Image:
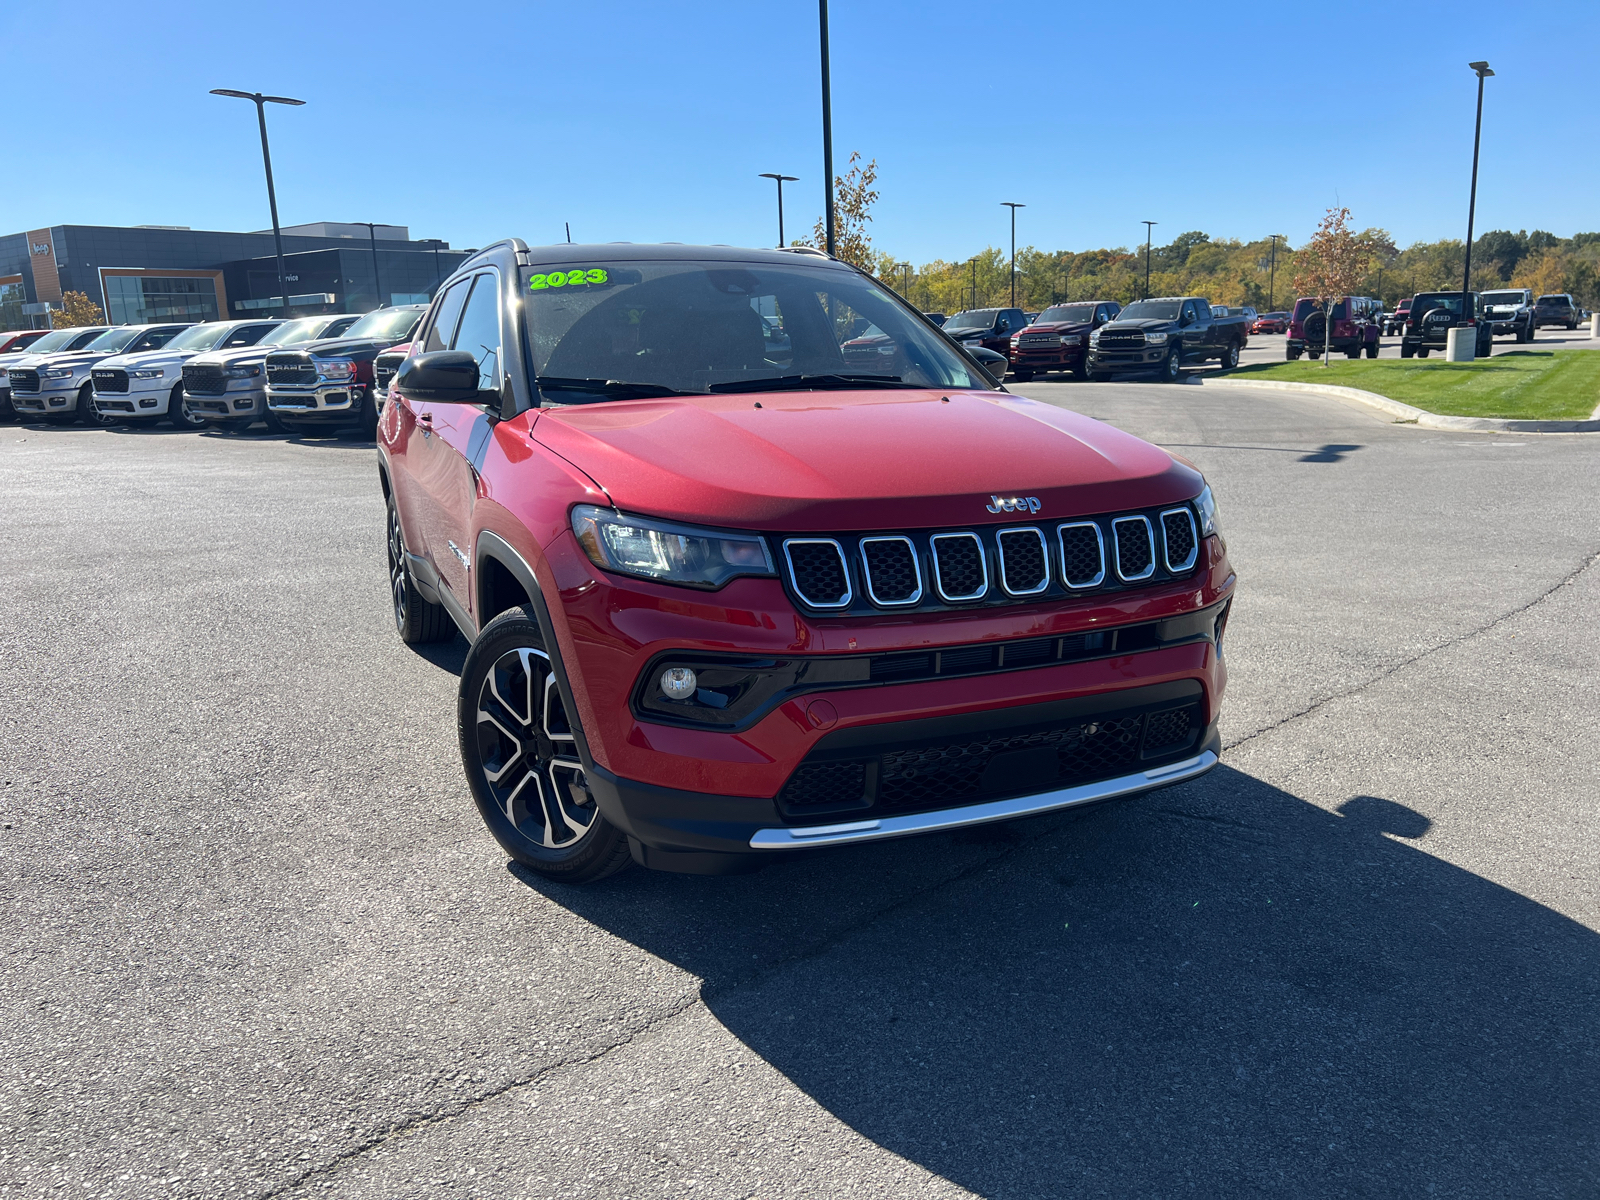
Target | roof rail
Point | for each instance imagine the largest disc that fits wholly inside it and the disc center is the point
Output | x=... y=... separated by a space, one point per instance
x=812 y=250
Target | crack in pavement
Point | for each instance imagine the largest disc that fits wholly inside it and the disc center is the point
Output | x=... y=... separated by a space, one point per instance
x=443 y=1114
x=1572 y=578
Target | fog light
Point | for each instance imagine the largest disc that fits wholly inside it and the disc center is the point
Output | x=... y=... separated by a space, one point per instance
x=678 y=683
x=243 y=404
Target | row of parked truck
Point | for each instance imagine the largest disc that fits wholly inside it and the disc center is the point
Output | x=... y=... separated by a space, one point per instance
x=327 y=371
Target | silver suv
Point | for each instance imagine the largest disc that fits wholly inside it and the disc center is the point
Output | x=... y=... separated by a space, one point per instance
x=1510 y=310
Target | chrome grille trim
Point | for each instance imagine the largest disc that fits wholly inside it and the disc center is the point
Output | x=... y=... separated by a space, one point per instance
x=1143 y=523
x=1100 y=543
x=844 y=566
x=866 y=570
x=1044 y=553
x=938 y=573
x=1178 y=568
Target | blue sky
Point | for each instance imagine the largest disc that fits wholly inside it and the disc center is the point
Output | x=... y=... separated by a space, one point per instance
x=651 y=121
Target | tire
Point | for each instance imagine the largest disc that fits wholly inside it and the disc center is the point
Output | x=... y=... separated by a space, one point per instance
x=1099 y=376
x=1230 y=356
x=1532 y=331
x=1406 y=351
x=275 y=423
x=1172 y=366
x=87 y=412
x=1422 y=353
x=236 y=424
x=1372 y=350
x=417 y=620
x=178 y=414
x=1353 y=352
x=1291 y=355
x=1081 y=369
x=1571 y=325
x=1019 y=376
x=367 y=422
x=520 y=751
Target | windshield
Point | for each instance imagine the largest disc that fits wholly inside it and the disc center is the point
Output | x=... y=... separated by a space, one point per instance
x=617 y=329
x=56 y=339
x=386 y=323
x=1151 y=310
x=200 y=337
x=115 y=339
x=1503 y=297
x=1067 y=314
x=290 y=333
x=977 y=318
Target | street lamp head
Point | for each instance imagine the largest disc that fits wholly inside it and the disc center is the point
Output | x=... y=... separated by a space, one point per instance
x=1482 y=68
x=779 y=178
x=283 y=100
x=1011 y=204
x=256 y=96
x=231 y=92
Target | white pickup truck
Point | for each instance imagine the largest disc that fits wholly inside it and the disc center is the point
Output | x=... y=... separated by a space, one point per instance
x=148 y=385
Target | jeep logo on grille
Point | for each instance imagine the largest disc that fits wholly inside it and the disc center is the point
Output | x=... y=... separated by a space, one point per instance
x=1000 y=504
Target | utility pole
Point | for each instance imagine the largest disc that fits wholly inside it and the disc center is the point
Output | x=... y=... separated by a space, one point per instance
x=974 y=303
x=372 y=240
x=1013 y=206
x=780 y=180
x=827 y=124
x=1148 y=226
x=1482 y=68
x=906 y=267
x=261 y=103
x=1272 y=275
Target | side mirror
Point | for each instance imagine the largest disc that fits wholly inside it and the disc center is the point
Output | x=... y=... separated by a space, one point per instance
x=444 y=377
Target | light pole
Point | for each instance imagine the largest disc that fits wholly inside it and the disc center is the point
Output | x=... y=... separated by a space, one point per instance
x=780 y=180
x=1013 y=206
x=974 y=261
x=827 y=122
x=1272 y=275
x=1482 y=68
x=1148 y=227
x=261 y=103
x=372 y=240
x=906 y=267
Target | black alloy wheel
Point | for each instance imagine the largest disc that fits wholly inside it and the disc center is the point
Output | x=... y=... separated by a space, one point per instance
x=519 y=746
x=179 y=415
x=89 y=412
x=1172 y=366
x=416 y=619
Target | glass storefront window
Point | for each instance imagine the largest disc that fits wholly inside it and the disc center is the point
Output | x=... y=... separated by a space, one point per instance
x=147 y=299
x=11 y=301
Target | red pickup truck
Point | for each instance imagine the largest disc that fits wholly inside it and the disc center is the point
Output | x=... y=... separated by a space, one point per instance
x=1058 y=339
x=731 y=597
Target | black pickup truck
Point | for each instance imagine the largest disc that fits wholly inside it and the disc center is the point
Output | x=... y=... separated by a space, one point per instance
x=1165 y=335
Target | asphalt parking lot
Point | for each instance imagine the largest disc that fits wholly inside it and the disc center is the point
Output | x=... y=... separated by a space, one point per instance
x=258 y=944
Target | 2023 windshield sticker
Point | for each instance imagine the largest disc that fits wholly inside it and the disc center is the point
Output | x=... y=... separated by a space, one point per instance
x=578 y=277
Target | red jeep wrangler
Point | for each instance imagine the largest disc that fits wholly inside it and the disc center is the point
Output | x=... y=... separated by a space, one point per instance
x=729 y=596
x=1355 y=328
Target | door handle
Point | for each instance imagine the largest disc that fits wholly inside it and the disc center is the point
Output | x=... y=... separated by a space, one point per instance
x=425 y=423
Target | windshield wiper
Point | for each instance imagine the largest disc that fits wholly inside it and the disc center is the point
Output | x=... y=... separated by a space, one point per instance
x=785 y=383
x=616 y=389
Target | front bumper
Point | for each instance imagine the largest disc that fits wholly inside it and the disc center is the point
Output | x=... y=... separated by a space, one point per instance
x=141 y=402
x=327 y=403
x=1056 y=358
x=44 y=402
x=229 y=405
x=1147 y=358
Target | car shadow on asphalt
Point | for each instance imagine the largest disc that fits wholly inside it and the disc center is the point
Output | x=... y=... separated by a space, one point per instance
x=1219 y=989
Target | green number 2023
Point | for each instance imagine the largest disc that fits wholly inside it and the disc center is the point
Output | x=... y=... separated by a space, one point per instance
x=557 y=279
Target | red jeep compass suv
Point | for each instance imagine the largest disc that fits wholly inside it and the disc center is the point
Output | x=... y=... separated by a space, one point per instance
x=730 y=596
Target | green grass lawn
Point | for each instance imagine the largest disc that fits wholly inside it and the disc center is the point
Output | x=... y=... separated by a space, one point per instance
x=1527 y=384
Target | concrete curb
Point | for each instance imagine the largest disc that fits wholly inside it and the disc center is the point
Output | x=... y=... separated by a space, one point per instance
x=1407 y=414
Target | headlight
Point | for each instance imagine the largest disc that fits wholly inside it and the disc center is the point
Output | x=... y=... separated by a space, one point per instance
x=1155 y=339
x=56 y=373
x=242 y=372
x=661 y=550
x=336 y=368
x=148 y=373
x=1207 y=504
x=1072 y=339
x=1094 y=338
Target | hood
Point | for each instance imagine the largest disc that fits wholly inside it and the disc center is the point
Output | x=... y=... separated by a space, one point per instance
x=1146 y=323
x=244 y=356
x=342 y=347
x=62 y=358
x=1057 y=327
x=961 y=331
x=147 y=358
x=858 y=460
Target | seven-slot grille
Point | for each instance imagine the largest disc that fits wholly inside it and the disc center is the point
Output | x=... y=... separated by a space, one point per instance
x=1121 y=339
x=290 y=370
x=204 y=380
x=24 y=380
x=109 y=379
x=986 y=566
x=384 y=368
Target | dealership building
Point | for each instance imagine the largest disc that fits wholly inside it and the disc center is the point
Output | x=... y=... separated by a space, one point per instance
x=146 y=273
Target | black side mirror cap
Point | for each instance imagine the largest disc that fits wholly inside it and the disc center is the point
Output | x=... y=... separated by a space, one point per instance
x=444 y=377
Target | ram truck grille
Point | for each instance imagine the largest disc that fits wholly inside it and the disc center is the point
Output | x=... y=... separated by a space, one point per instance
x=1121 y=339
x=24 y=380
x=290 y=370
x=204 y=380
x=109 y=380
